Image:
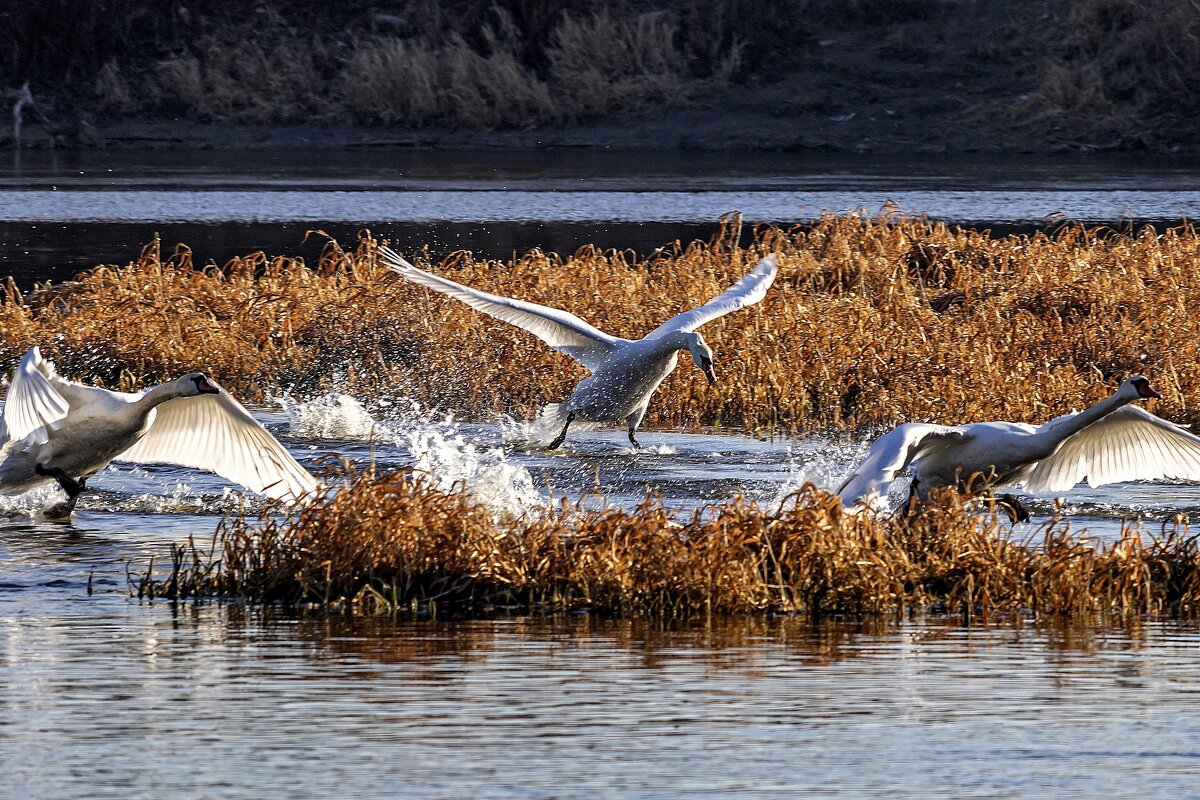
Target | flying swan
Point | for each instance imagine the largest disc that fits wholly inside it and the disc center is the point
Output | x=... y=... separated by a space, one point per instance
x=1110 y=442
x=625 y=373
x=54 y=429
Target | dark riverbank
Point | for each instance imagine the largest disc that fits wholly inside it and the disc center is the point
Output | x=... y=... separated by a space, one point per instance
x=920 y=76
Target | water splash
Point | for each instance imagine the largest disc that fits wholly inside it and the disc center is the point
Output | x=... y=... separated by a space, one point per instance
x=447 y=453
x=31 y=503
x=828 y=465
x=442 y=451
x=334 y=416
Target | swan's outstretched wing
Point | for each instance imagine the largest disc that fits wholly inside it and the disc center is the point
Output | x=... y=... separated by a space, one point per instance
x=891 y=453
x=562 y=330
x=746 y=292
x=1130 y=444
x=214 y=432
x=32 y=404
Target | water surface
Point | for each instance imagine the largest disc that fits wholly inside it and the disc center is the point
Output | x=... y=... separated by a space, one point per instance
x=101 y=696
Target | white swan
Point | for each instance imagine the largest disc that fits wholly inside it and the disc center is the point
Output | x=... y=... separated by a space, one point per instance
x=54 y=429
x=1110 y=442
x=625 y=373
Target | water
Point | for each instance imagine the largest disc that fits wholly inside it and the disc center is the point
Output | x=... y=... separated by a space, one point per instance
x=62 y=213
x=148 y=701
x=101 y=696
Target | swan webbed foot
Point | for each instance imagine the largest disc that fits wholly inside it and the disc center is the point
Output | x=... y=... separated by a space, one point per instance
x=632 y=440
x=562 y=437
x=62 y=510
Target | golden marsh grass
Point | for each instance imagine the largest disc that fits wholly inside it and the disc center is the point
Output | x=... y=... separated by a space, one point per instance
x=871 y=322
x=386 y=543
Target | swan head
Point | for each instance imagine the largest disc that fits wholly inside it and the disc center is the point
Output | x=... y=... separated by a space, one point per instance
x=1136 y=387
x=702 y=354
x=197 y=383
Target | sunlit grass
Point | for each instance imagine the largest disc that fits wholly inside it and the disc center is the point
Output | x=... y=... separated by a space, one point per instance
x=871 y=322
x=382 y=542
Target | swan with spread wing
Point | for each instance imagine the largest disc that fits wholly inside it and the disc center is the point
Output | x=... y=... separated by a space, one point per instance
x=58 y=430
x=625 y=372
x=1111 y=442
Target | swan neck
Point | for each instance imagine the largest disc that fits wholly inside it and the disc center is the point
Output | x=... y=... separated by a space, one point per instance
x=673 y=341
x=157 y=395
x=1075 y=424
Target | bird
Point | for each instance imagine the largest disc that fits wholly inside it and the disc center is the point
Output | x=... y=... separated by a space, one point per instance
x=624 y=373
x=57 y=430
x=1110 y=442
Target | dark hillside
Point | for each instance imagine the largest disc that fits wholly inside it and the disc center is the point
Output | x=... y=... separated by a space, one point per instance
x=1026 y=75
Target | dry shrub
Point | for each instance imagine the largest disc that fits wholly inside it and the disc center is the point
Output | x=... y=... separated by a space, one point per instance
x=250 y=81
x=870 y=322
x=384 y=542
x=412 y=82
x=601 y=65
x=115 y=92
x=1116 y=65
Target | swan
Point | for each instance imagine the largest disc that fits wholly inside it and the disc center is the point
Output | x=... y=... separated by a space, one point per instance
x=54 y=429
x=625 y=373
x=1110 y=442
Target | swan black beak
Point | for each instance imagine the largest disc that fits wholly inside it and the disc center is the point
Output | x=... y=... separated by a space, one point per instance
x=707 y=366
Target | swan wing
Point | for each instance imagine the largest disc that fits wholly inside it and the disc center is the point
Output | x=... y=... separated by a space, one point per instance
x=33 y=403
x=215 y=432
x=1129 y=444
x=746 y=292
x=562 y=330
x=892 y=453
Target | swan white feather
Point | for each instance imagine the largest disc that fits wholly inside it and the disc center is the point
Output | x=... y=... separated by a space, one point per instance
x=746 y=292
x=1110 y=442
x=214 y=432
x=191 y=422
x=625 y=373
x=32 y=405
x=560 y=329
x=1130 y=444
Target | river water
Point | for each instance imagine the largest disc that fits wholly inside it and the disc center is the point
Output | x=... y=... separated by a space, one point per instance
x=102 y=696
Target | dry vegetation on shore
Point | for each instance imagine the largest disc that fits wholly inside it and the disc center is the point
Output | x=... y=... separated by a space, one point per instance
x=870 y=322
x=1024 y=75
x=383 y=543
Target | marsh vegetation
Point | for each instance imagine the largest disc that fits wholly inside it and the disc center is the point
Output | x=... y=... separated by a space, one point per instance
x=871 y=321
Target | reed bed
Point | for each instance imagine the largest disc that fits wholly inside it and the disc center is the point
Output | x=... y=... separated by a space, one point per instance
x=385 y=543
x=871 y=321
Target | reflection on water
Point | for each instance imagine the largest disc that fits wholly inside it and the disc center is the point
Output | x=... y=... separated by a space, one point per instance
x=219 y=701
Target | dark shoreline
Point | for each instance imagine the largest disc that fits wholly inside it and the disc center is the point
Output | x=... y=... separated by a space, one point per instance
x=711 y=131
x=911 y=76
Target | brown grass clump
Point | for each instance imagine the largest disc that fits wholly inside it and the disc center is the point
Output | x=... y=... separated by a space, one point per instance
x=871 y=321
x=382 y=542
x=1117 y=66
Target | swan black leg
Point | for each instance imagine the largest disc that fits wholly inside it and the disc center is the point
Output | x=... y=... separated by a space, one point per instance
x=913 y=504
x=562 y=437
x=1012 y=507
x=632 y=440
x=72 y=487
x=69 y=485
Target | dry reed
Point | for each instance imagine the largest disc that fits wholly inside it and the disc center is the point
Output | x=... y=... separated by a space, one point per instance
x=871 y=321
x=386 y=543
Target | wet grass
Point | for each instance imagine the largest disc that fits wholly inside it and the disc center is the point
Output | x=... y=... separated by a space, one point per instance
x=385 y=543
x=871 y=322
